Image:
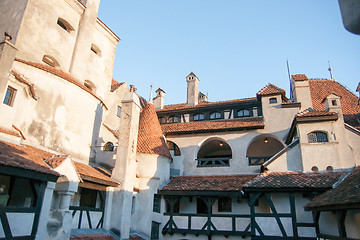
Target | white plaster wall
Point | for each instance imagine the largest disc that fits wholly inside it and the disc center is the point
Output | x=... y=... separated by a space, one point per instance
x=40 y=34
x=327 y=224
x=353 y=139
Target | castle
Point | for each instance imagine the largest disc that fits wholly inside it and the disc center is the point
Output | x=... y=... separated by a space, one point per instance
x=83 y=156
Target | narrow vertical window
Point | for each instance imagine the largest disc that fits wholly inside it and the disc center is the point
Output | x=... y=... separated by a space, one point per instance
x=10 y=96
x=118 y=111
x=155 y=230
x=156 y=203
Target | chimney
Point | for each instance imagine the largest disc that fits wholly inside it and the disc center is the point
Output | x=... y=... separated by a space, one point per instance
x=300 y=91
x=192 y=89
x=7 y=56
x=159 y=99
x=202 y=97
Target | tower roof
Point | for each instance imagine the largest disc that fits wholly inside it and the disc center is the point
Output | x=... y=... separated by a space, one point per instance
x=150 y=137
x=271 y=89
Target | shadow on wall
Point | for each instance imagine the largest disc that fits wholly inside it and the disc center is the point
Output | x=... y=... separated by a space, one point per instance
x=96 y=131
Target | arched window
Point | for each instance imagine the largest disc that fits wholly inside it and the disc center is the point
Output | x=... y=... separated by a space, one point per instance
x=315 y=137
x=65 y=25
x=172 y=146
x=243 y=113
x=214 y=153
x=215 y=115
x=199 y=117
x=272 y=100
x=90 y=85
x=262 y=148
x=95 y=49
x=173 y=119
x=109 y=146
x=51 y=61
x=162 y=120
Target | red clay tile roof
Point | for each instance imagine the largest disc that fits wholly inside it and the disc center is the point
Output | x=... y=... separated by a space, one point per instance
x=353 y=120
x=314 y=113
x=93 y=174
x=347 y=193
x=115 y=85
x=23 y=80
x=271 y=89
x=201 y=105
x=294 y=180
x=299 y=77
x=150 y=137
x=321 y=88
x=114 y=132
x=9 y=132
x=61 y=74
x=55 y=161
x=25 y=157
x=136 y=237
x=99 y=236
x=213 y=126
x=223 y=183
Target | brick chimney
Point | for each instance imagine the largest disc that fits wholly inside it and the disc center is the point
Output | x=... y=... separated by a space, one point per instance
x=159 y=99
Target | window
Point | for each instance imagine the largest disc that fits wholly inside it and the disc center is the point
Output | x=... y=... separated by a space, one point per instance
x=88 y=197
x=199 y=117
x=176 y=206
x=215 y=115
x=243 y=113
x=315 y=137
x=214 y=153
x=90 y=85
x=17 y=192
x=201 y=207
x=109 y=146
x=173 y=119
x=65 y=25
x=155 y=230
x=172 y=146
x=10 y=96
x=51 y=61
x=224 y=204
x=95 y=49
x=162 y=120
x=118 y=111
x=156 y=203
x=334 y=103
x=272 y=100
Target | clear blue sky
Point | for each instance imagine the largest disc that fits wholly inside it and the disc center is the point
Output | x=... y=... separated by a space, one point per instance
x=235 y=47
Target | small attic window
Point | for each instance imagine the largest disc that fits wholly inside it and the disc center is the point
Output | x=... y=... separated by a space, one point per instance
x=95 y=49
x=51 y=61
x=316 y=137
x=90 y=85
x=333 y=102
x=272 y=100
x=65 y=25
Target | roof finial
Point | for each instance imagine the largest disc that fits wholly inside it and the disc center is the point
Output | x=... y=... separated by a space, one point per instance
x=330 y=70
x=150 y=99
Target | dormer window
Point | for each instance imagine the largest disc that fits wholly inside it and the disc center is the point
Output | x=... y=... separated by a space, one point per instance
x=243 y=113
x=95 y=49
x=173 y=119
x=215 y=115
x=51 y=61
x=199 y=117
x=334 y=103
x=65 y=25
x=272 y=100
x=316 y=137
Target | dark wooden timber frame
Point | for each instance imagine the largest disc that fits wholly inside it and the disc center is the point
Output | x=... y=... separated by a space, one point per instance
x=89 y=210
x=38 y=182
x=253 y=229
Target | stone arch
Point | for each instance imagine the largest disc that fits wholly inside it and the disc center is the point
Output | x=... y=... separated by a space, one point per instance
x=262 y=147
x=214 y=152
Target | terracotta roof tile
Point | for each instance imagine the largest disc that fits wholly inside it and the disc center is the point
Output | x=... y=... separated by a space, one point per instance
x=150 y=137
x=213 y=126
x=299 y=77
x=25 y=157
x=94 y=174
x=55 y=161
x=314 y=113
x=115 y=85
x=204 y=104
x=223 y=183
x=23 y=80
x=92 y=237
x=321 y=88
x=61 y=74
x=9 y=132
x=294 y=180
x=347 y=192
x=271 y=89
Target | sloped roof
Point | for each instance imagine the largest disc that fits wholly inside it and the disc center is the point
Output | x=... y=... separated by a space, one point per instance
x=98 y=236
x=93 y=174
x=150 y=137
x=293 y=180
x=114 y=132
x=23 y=80
x=314 y=113
x=202 y=105
x=115 y=85
x=321 y=88
x=61 y=74
x=213 y=126
x=353 y=120
x=10 y=132
x=271 y=89
x=25 y=157
x=345 y=195
x=299 y=77
x=222 y=183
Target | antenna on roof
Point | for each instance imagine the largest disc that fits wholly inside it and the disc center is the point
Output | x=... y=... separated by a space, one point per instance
x=150 y=99
x=288 y=69
x=330 y=70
